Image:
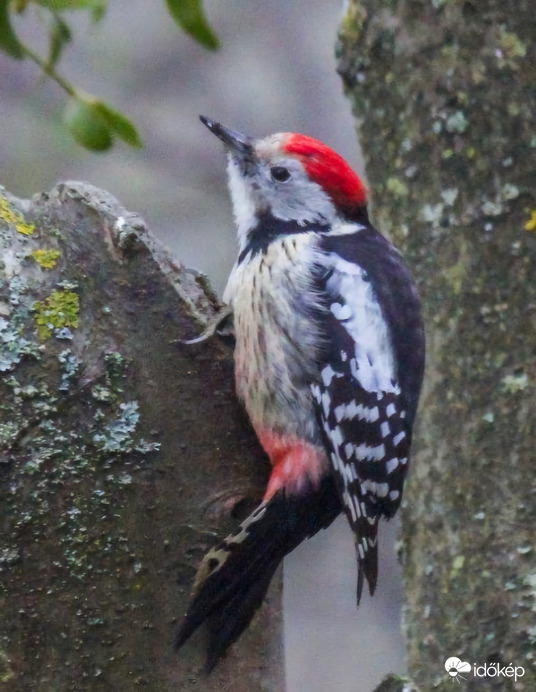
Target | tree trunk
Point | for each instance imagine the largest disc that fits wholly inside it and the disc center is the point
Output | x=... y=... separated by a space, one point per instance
x=444 y=93
x=110 y=428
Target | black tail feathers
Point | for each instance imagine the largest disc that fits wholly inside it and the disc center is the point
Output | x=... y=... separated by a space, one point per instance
x=367 y=568
x=234 y=576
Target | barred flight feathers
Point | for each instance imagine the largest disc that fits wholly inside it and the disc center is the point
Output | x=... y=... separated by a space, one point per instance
x=365 y=399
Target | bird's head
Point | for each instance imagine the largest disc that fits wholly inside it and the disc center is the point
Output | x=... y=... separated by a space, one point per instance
x=291 y=177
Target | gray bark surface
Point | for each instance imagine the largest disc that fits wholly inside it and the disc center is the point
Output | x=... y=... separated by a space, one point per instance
x=444 y=94
x=124 y=455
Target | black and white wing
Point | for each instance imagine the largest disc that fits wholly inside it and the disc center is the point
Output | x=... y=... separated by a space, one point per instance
x=370 y=376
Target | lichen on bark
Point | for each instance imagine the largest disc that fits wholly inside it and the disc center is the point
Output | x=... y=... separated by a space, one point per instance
x=443 y=91
x=122 y=454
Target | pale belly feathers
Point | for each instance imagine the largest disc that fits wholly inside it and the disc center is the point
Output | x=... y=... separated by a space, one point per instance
x=276 y=340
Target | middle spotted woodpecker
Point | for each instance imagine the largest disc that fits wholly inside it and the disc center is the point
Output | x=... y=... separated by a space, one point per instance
x=329 y=362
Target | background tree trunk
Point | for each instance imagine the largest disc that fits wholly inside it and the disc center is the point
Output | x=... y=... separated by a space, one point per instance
x=444 y=93
x=102 y=531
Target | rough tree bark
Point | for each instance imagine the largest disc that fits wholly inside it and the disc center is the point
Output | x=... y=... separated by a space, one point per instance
x=444 y=93
x=96 y=524
x=102 y=530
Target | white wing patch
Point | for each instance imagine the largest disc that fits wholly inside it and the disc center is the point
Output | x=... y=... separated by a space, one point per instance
x=360 y=406
x=341 y=312
x=360 y=314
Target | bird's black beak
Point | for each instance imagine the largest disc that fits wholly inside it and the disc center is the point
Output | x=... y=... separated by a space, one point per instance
x=233 y=140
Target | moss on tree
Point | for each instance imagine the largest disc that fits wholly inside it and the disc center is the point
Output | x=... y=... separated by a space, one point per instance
x=444 y=94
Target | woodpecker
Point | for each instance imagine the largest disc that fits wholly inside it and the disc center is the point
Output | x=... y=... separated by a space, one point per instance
x=329 y=361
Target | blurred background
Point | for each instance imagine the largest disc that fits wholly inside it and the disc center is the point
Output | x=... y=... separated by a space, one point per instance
x=274 y=72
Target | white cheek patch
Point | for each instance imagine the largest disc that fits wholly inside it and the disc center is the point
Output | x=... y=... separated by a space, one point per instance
x=243 y=201
x=298 y=199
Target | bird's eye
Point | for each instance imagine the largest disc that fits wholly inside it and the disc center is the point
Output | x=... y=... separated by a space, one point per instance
x=280 y=173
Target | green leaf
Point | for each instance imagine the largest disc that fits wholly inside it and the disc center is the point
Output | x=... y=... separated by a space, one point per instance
x=119 y=124
x=94 y=124
x=190 y=16
x=60 y=36
x=9 y=42
x=87 y=125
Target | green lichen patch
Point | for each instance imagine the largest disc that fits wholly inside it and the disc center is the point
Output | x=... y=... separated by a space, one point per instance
x=511 y=48
x=352 y=22
x=12 y=217
x=531 y=223
x=46 y=258
x=59 y=310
